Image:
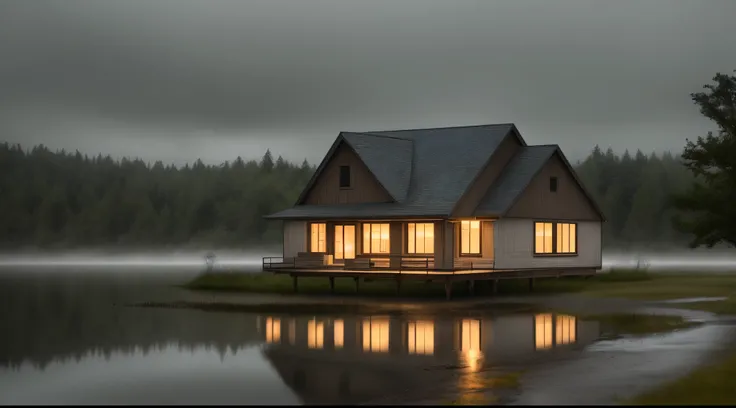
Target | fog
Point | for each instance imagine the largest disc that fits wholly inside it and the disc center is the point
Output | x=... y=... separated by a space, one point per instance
x=250 y=260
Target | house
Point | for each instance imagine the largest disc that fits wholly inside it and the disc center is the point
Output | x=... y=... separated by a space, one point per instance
x=445 y=203
x=355 y=359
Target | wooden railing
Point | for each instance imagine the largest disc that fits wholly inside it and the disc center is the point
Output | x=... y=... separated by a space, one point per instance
x=372 y=262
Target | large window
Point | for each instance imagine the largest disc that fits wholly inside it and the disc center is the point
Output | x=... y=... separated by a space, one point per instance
x=318 y=233
x=420 y=238
x=376 y=239
x=555 y=238
x=470 y=238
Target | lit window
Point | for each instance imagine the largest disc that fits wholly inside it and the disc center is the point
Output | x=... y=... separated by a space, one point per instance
x=565 y=329
x=421 y=337
x=376 y=239
x=566 y=238
x=470 y=237
x=563 y=235
x=319 y=238
x=345 y=241
x=315 y=334
x=375 y=334
x=273 y=330
x=339 y=333
x=420 y=238
x=543 y=331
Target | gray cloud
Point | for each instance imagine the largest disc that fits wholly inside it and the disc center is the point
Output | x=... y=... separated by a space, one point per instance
x=253 y=73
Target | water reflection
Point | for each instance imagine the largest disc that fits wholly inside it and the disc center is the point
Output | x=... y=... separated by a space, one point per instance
x=354 y=358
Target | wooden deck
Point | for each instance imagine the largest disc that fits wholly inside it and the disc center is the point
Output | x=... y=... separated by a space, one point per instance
x=417 y=273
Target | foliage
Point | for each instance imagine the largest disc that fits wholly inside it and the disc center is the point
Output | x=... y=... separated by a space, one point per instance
x=709 y=203
x=56 y=198
x=61 y=199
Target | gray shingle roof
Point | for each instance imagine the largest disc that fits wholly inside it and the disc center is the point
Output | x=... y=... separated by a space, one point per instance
x=514 y=179
x=388 y=158
x=425 y=170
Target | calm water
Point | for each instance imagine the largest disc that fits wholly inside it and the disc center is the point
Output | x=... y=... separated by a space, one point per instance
x=68 y=338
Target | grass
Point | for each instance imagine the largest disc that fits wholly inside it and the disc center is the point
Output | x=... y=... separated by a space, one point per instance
x=629 y=284
x=709 y=385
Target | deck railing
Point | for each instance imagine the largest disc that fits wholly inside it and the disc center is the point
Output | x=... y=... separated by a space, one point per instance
x=375 y=263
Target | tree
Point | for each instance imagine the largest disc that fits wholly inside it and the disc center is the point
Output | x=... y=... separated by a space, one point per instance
x=707 y=208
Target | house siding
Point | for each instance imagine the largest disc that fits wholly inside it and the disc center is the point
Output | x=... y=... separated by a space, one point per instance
x=567 y=203
x=500 y=158
x=295 y=238
x=364 y=188
x=514 y=246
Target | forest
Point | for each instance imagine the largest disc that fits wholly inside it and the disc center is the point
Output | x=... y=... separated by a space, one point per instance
x=58 y=199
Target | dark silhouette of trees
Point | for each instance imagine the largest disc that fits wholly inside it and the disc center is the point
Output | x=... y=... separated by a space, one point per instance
x=709 y=203
x=60 y=199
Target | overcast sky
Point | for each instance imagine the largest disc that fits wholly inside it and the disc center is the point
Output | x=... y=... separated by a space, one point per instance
x=177 y=80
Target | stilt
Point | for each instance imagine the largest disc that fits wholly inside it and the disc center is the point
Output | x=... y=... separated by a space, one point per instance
x=494 y=287
x=357 y=284
x=398 y=286
x=448 y=289
x=296 y=283
x=471 y=287
x=531 y=284
x=332 y=284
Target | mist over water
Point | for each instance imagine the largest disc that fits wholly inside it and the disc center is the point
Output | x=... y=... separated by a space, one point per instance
x=251 y=260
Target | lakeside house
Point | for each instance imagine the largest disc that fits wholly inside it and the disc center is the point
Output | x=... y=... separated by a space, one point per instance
x=458 y=203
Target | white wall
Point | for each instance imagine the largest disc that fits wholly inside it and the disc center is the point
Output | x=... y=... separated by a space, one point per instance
x=295 y=238
x=514 y=246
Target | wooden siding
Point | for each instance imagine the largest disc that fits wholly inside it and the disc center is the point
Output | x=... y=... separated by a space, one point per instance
x=295 y=238
x=472 y=197
x=364 y=188
x=567 y=203
x=514 y=246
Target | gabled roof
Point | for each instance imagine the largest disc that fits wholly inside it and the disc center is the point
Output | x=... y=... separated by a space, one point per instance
x=516 y=177
x=426 y=171
x=388 y=158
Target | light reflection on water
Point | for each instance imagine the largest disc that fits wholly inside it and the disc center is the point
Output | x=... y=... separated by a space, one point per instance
x=67 y=338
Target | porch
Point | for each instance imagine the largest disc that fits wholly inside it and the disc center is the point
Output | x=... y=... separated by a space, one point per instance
x=403 y=268
x=375 y=263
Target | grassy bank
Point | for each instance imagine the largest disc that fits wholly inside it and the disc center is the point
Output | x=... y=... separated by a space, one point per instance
x=638 y=324
x=709 y=385
x=629 y=284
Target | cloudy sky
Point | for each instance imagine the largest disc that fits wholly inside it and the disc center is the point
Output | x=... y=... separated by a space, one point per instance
x=180 y=79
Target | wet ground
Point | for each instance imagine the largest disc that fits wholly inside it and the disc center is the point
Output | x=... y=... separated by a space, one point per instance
x=70 y=336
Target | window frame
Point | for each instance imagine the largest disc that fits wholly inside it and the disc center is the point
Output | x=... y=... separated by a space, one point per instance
x=479 y=254
x=554 y=238
x=309 y=237
x=406 y=246
x=370 y=237
x=349 y=177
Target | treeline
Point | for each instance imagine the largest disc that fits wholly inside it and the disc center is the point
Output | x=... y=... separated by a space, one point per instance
x=634 y=193
x=69 y=199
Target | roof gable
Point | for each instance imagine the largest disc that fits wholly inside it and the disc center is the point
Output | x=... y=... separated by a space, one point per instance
x=519 y=174
x=388 y=158
x=337 y=149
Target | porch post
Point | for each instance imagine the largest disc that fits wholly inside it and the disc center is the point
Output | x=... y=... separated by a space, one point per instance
x=332 y=284
x=296 y=283
x=448 y=289
x=357 y=284
x=531 y=284
x=396 y=244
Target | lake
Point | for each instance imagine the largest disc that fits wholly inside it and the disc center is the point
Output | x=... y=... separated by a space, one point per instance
x=70 y=336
